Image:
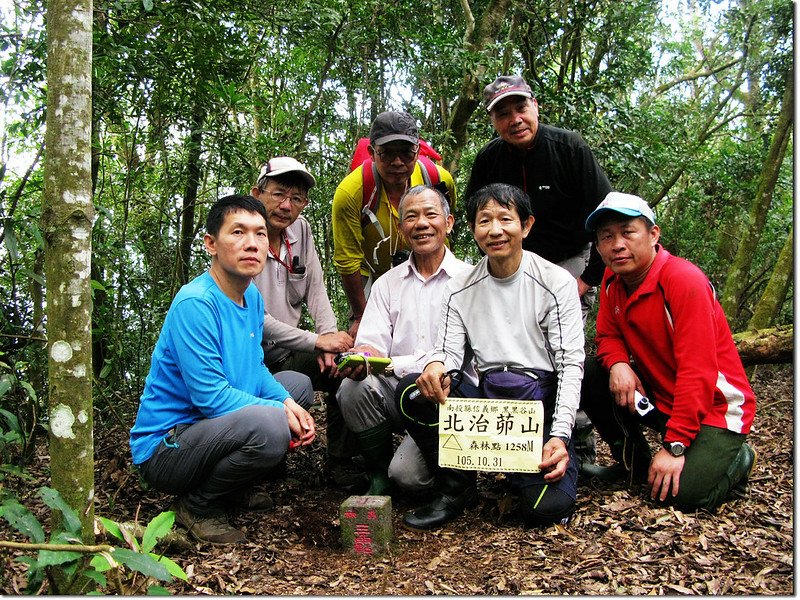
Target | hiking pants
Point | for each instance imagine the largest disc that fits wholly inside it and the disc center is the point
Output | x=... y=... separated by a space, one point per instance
x=704 y=481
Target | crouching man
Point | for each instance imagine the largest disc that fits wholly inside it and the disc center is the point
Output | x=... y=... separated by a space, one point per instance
x=212 y=420
x=518 y=317
x=662 y=335
x=400 y=322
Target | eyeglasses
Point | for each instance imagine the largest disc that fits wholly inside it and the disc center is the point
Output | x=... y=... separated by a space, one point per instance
x=279 y=197
x=406 y=155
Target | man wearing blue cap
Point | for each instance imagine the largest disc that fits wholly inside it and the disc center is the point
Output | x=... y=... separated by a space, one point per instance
x=665 y=359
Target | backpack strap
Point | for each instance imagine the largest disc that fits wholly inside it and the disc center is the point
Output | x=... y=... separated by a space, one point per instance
x=370 y=195
x=430 y=174
x=371 y=188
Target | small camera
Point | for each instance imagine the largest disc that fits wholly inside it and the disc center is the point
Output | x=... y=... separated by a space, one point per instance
x=399 y=257
x=643 y=404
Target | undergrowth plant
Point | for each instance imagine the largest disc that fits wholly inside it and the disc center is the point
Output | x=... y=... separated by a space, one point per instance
x=90 y=569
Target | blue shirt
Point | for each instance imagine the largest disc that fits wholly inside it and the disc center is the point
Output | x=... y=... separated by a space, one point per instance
x=207 y=362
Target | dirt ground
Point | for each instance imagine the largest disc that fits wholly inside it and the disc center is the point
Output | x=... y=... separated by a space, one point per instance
x=618 y=543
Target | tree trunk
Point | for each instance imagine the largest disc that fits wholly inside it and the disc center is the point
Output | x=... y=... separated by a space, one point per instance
x=193 y=172
x=469 y=95
x=765 y=346
x=737 y=279
x=67 y=216
x=774 y=295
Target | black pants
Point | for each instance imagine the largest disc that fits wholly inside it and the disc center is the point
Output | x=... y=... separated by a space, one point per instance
x=543 y=503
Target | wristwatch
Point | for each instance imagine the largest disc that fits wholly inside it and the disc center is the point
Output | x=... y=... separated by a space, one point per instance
x=675 y=448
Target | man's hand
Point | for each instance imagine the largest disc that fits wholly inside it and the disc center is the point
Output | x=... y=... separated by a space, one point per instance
x=434 y=383
x=359 y=372
x=583 y=287
x=622 y=382
x=301 y=423
x=665 y=473
x=337 y=341
x=555 y=459
x=327 y=363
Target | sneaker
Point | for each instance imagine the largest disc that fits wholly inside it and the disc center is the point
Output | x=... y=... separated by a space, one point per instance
x=253 y=499
x=214 y=530
x=344 y=473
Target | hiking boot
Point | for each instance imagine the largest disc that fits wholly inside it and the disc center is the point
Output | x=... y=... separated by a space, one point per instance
x=344 y=473
x=214 y=529
x=253 y=499
x=456 y=490
x=745 y=463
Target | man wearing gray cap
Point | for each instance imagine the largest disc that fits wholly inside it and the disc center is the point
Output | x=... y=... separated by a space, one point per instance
x=366 y=234
x=292 y=277
x=666 y=360
x=564 y=181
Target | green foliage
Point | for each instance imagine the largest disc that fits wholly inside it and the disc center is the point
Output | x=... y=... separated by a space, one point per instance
x=16 y=432
x=130 y=570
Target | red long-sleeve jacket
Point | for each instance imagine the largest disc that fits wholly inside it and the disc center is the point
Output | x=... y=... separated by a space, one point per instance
x=674 y=331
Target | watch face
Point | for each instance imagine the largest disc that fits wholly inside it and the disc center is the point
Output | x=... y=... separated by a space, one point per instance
x=677 y=449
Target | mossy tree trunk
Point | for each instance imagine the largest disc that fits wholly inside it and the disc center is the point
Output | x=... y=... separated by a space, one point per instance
x=774 y=295
x=738 y=275
x=67 y=216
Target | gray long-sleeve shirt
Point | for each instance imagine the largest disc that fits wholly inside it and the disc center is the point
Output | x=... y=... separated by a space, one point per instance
x=529 y=320
x=285 y=293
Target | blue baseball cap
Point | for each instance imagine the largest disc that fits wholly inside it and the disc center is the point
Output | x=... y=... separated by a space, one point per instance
x=624 y=204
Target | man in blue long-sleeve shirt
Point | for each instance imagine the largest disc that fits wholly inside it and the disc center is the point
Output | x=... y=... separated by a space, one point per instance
x=212 y=419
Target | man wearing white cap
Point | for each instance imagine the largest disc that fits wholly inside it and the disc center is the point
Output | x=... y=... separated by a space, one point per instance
x=561 y=176
x=292 y=278
x=667 y=361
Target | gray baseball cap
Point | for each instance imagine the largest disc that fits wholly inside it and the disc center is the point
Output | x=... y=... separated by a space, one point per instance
x=391 y=126
x=504 y=86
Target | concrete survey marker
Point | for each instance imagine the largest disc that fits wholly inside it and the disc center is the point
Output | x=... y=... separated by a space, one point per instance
x=366 y=523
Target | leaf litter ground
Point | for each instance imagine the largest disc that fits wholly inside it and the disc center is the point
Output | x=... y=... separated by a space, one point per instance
x=618 y=543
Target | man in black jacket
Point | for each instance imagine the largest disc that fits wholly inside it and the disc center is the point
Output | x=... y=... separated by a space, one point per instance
x=565 y=183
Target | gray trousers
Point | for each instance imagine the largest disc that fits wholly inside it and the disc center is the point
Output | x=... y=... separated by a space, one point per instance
x=369 y=403
x=213 y=460
x=341 y=442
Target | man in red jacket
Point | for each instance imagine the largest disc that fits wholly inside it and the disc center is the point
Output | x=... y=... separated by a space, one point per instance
x=666 y=360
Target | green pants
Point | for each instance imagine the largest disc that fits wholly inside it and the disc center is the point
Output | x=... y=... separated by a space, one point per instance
x=710 y=468
x=706 y=477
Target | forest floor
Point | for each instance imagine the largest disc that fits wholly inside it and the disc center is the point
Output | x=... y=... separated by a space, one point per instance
x=617 y=543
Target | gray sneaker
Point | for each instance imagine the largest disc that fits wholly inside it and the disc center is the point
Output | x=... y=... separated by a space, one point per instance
x=214 y=530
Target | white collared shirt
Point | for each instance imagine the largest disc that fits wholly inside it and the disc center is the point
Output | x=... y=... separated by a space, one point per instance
x=402 y=315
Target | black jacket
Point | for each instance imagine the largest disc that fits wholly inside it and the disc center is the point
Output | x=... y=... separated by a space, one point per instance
x=565 y=184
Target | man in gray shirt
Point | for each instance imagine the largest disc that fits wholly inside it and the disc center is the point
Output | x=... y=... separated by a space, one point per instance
x=293 y=277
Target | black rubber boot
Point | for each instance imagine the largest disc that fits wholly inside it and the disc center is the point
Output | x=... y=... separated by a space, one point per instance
x=455 y=490
x=741 y=469
x=376 y=448
x=632 y=456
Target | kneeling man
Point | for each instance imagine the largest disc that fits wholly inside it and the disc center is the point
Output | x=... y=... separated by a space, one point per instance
x=518 y=317
x=662 y=335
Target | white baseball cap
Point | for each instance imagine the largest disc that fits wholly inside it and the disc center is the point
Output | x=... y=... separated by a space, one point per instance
x=285 y=164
